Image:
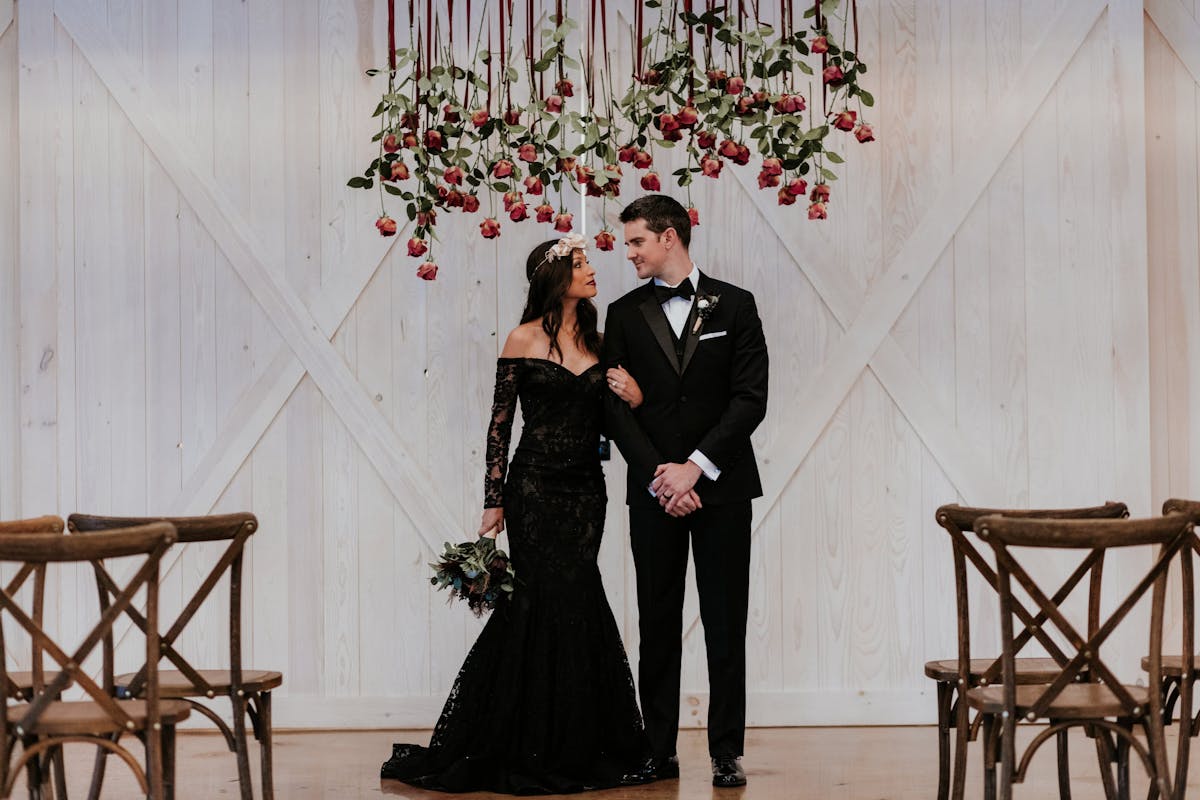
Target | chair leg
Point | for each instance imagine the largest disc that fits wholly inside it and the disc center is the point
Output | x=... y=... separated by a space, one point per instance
x=168 y=759
x=33 y=773
x=963 y=736
x=265 y=746
x=989 y=757
x=243 y=756
x=1064 y=766
x=1105 y=759
x=1122 y=769
x=60 y=774
x=98 y=774
x=944 y=690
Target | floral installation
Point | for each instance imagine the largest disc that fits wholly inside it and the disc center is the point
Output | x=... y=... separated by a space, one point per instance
x=477 y=572
x=706 y=304
x=522 y=122
x=723 y=84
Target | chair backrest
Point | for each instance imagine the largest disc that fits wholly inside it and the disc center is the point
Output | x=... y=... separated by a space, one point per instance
x=1171 y=535
x=37 y=603
x=958 y=521
x=36 y=550
x=235 y=529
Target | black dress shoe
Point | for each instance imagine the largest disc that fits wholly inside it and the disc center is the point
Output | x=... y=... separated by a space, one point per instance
x=652 y=769
x=727 y=772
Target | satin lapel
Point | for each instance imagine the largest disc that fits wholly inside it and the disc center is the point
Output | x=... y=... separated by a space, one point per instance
x=689 y=328
x=657 y=321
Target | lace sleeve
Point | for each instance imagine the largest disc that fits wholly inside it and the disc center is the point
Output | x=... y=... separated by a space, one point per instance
x=504 y=406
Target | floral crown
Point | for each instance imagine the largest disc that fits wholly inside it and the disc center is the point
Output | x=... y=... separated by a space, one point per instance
x=564 y=247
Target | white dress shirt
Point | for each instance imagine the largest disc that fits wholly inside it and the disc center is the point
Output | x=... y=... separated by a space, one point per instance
x=677 y=310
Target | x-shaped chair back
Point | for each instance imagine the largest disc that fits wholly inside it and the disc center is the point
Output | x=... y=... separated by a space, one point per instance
x=1173 y=536
x=958 y=521
x=16 y=527
x=235 y=529
x=34 y=551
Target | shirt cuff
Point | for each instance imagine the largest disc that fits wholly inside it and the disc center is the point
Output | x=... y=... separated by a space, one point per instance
x=707 y=467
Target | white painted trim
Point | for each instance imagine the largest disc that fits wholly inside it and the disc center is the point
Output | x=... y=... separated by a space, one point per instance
x=1180 y=29
x=763 y=709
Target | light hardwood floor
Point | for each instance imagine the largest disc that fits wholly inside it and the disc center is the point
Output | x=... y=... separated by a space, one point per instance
x=895 y=763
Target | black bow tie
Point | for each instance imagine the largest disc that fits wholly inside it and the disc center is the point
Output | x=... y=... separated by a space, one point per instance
x=665 y=293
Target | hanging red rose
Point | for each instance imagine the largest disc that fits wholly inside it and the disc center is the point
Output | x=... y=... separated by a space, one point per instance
x=417 y=247
x=386 y=226
x=605 y=240
x=489 y=228
x=427 y=271
x=562 y=222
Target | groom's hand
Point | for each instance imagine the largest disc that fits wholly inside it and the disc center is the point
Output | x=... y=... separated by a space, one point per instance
x=674 y=480
x=681 y=504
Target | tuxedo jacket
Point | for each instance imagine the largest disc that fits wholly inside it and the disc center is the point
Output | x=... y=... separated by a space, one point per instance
x=709 y=400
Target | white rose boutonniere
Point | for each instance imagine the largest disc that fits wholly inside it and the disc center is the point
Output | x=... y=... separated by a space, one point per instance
x=706 y=304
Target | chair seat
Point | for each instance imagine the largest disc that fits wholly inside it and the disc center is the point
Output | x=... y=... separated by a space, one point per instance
x=1172 y=666
x=172 y=683
x=1076 y=701
x=1029 y=670
x=86 y=717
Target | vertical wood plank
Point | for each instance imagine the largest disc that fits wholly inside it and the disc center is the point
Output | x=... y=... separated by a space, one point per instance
x=10 y=315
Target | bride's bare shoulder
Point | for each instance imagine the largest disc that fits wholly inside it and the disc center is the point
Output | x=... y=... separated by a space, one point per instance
x=523 y=340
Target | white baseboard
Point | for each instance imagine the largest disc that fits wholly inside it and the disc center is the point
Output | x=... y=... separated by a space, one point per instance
x=763 y=709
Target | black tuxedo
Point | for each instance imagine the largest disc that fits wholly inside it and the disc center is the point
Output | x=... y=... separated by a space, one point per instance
x=705 y=390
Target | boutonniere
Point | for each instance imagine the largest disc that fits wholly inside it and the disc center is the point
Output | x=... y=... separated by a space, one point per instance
x=705 y=305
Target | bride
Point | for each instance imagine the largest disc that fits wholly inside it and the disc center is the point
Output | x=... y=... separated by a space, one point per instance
x=544 y=703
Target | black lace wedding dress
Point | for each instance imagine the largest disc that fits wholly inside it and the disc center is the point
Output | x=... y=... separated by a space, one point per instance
x=544 y=703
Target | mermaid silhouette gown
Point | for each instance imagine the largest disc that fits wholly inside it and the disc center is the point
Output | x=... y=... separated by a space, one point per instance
x=544 y=703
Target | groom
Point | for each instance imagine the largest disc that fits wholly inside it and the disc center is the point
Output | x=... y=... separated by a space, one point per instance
x=695 y=346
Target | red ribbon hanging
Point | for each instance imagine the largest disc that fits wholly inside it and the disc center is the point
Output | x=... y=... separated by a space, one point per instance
x=391 y=36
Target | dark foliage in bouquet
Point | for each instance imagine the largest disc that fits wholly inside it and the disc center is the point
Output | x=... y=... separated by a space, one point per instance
x=477 y=572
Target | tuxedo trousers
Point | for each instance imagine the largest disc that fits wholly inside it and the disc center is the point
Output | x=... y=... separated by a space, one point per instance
x=719 y=537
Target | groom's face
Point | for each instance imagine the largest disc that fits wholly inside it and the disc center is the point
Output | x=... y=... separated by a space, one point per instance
x=645 y=249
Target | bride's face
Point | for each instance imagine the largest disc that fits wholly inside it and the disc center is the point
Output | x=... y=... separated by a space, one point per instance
x=583 y=277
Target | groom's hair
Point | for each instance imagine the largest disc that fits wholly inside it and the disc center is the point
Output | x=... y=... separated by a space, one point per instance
x=660 y=212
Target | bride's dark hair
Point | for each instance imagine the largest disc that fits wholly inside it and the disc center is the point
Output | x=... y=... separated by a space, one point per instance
x=549 y=280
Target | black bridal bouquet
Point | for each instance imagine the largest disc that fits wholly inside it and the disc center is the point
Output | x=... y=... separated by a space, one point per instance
x=477 y=572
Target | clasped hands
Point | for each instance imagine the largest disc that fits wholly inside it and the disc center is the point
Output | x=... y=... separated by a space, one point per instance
x=674 y=484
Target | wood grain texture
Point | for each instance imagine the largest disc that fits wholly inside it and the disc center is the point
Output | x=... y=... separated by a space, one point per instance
x=224 y=329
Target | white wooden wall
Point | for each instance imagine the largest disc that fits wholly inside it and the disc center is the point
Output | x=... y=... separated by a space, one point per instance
x=196 y=314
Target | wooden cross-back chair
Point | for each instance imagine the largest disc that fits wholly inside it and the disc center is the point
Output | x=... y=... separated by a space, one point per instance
x=954 y=676
x=1085 y=692
x=1174 y=673
x=19 y=685
x=46 y=723
x=249 y=691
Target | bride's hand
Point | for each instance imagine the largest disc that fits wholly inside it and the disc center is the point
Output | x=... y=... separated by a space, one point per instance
x=493 y=521
x=624 y=386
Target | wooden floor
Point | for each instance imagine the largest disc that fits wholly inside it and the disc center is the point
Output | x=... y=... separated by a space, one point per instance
x=781 y=763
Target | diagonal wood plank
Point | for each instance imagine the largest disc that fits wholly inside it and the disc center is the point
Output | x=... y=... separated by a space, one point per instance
x=1180 y=29
x=904 y=275
x=6 y=15
x=405 y=478
x=894 y=290
x=900 y=377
